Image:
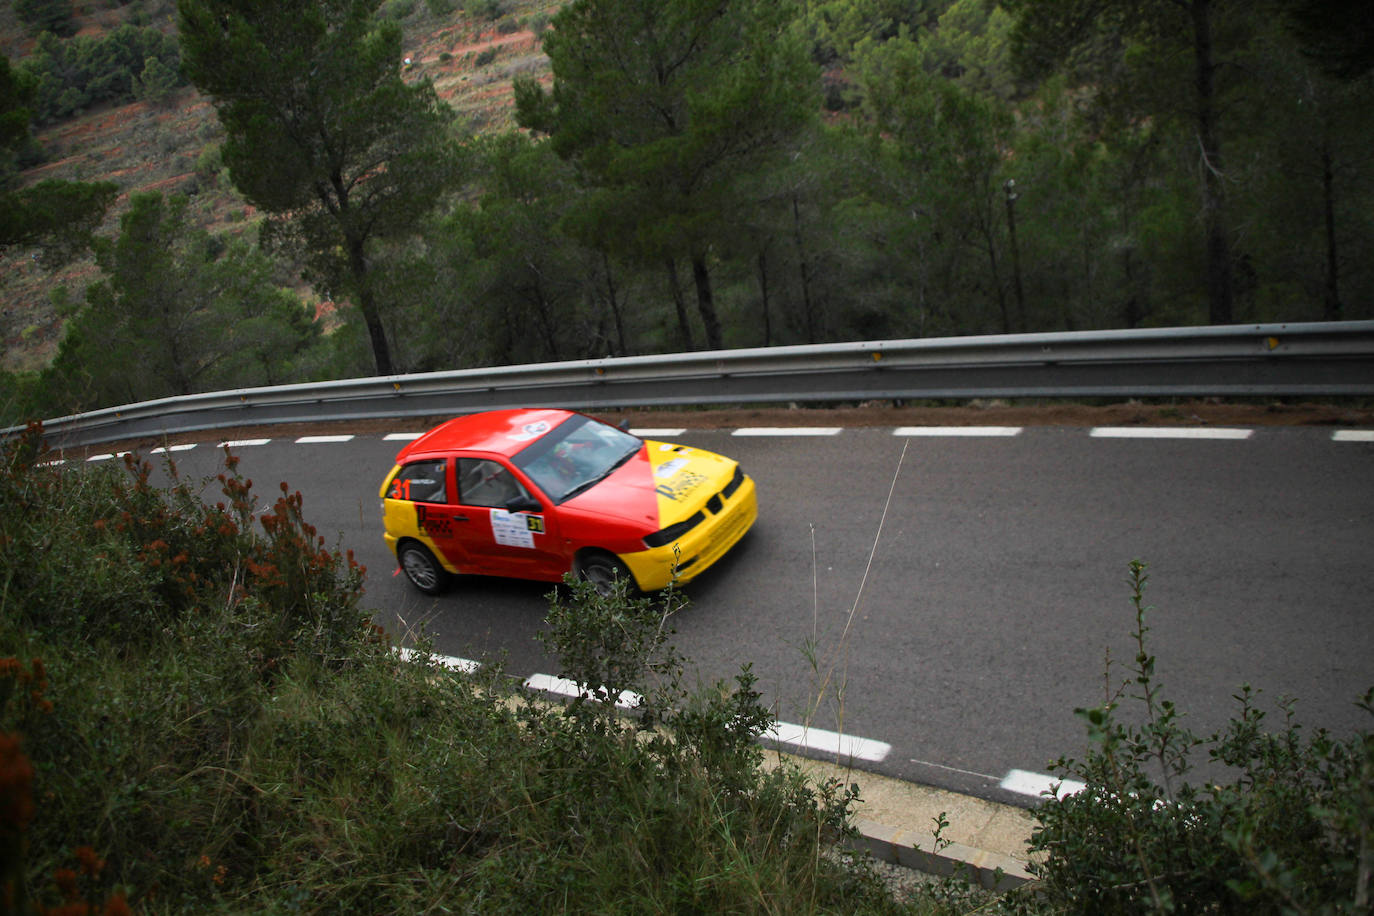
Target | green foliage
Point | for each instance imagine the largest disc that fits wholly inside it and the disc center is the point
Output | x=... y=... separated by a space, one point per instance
x=72 y=75
x=938 y=148
x=839 y=26
x=663 y=126
x=490 y=10
x=53 y=16
x=1336 y=35
x=156 y=81
x=191 y=311
x=506 y=269
x=971 y=45
x=58 y=217
x=323 y=134
x=1284 y=824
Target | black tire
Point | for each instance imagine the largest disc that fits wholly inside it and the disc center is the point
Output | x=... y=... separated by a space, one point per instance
x=420 y=567
x=601 y=569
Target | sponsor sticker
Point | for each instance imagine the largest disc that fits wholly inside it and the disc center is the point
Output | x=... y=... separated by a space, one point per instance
x=530 y=431
x=434 y=526
x=512 y=529
x=681 y=486
x=669 y=468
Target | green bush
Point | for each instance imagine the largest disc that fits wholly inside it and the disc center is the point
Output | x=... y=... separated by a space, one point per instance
x=487 y=9
x=127 y=63
x=1288 y=826
x=53 y=16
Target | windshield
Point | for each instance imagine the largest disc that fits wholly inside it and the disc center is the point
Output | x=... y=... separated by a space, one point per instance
x=575 y=455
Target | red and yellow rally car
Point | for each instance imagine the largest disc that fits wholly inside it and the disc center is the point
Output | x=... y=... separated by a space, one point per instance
x=536 y=493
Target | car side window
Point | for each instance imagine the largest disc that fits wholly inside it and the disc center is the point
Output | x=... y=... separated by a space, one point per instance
x=482 y=482
x=421 y=482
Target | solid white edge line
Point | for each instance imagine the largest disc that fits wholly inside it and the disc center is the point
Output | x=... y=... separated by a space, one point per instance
x=1168 y=432
x=447 y=661
x=241 y=443
x=818 y=739
x=957 y=431
x=315 y=440
x=653 y=433
x=401 y=437
x=1024 y=782
x=569 y=688
x=787 y=431
x=1353 y=435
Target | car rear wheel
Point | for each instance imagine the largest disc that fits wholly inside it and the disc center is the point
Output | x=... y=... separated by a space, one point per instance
x=602 y=570
x=420 y=567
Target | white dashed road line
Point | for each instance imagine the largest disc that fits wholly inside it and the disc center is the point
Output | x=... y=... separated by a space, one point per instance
x=787 y=431
x=655 y=433
x=818 y=739
x=977 y=431
x=163 y=450
x=401 y=437
x=1024 y=782
x=243 y=443
x=446 y=661
x=804 y=738
x=569 y=688
x=316 y=440
x=1168 y=432
x=1353 y=435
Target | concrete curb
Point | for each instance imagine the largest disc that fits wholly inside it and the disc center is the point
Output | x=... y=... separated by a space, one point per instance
x=916 y=851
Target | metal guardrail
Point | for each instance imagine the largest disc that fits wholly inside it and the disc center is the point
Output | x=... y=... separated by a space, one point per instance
x=1310 y=359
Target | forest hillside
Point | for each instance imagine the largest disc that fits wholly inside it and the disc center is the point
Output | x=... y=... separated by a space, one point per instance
x=226 y=196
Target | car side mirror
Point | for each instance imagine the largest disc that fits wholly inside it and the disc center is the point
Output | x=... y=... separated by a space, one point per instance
x=523 y=504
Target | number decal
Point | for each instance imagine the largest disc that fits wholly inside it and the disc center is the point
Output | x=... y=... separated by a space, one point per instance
x=400 y=489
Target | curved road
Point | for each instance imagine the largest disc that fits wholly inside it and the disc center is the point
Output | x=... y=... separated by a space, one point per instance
x=960 y=591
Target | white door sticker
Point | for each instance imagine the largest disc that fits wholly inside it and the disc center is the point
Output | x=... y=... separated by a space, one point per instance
x=511 y=529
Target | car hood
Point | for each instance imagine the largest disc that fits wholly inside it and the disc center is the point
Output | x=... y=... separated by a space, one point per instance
x=661 y=485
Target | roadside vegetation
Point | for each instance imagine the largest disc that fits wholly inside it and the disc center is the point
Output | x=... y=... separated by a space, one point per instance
x=197 y=715
x=793 y=173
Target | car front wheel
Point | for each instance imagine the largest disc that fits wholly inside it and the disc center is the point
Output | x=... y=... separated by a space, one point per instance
x=423 y=571
x=602 y=570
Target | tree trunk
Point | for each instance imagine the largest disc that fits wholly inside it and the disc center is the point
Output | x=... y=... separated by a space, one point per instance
x=1332 y=300
x=1220 y=293
x=683 y=325
x=763 y=295
x=615 y=305
x=706 y=302
x=1011 y=195
x=808 y=312
x=367 y=304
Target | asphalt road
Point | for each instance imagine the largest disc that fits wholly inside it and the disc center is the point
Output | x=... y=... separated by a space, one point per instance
x=953 y=598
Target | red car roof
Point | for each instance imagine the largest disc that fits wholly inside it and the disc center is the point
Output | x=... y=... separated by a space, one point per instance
x=504 y=432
